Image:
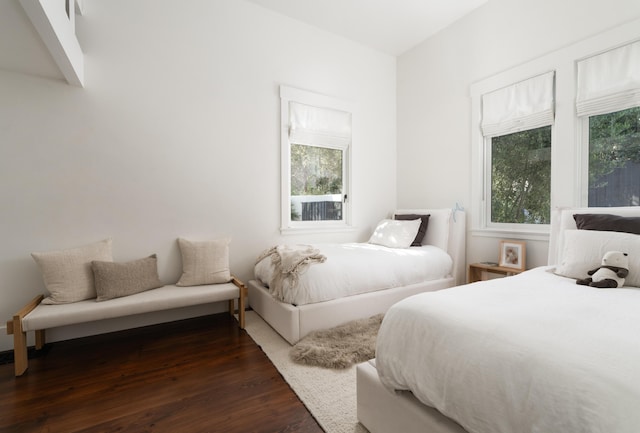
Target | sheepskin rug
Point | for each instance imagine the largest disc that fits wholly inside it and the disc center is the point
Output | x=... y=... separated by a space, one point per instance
x=339 y=347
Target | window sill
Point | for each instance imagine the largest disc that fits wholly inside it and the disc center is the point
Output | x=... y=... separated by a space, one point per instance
x=315 y=230
x=535 y=235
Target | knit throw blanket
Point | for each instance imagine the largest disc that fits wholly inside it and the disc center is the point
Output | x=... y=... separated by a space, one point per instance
x=289 y=262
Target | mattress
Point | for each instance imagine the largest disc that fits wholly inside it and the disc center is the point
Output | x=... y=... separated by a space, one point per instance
x=355 y=268
x=529 y=353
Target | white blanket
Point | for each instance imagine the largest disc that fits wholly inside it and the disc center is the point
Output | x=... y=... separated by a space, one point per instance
x=354 y=268
x=528 y=353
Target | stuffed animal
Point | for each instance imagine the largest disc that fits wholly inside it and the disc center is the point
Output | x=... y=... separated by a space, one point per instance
x=614 y=269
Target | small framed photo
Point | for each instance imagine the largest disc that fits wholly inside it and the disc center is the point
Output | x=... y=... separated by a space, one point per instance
x=512 y=254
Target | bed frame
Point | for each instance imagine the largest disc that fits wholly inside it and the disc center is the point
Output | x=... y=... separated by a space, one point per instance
x=446 y=229
x=381 y=410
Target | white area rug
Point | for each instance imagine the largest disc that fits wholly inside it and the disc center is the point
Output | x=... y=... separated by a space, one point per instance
x=330 y=395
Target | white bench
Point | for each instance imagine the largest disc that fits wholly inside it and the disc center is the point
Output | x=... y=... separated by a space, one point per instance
x=38 y=317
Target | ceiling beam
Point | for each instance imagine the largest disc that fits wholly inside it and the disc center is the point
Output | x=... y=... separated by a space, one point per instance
x=57 y=30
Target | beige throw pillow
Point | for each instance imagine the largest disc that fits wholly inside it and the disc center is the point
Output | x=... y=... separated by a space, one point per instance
x=204 y=262
x=67 y=273
x=115 y=280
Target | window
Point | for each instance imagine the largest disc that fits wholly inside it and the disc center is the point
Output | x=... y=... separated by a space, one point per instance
x=520 y=175
x=317 y=189
x=516 y=123
x=587 y=152
x=614 y=159
x=316 y=149
x=608 y=100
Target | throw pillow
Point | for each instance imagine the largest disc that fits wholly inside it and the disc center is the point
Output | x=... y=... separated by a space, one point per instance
x=583 y=251
x=607 y=222
x=115 y=280
x=422 y=231
x=67 y=273
x=204 y=262
x=395 y=233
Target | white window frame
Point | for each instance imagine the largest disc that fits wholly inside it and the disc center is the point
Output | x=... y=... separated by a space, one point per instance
x=569 y=134
x=290 y=94
x=528 y=229
x=583 y=134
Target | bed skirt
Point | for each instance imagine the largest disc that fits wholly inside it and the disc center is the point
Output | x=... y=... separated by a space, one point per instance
x=294 y=322
x=381 y=410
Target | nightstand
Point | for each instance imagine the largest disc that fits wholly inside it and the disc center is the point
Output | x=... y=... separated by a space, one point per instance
x=479 y=271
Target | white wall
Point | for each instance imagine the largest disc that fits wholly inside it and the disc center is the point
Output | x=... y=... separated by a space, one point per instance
x=434 y=105
x=176 y=133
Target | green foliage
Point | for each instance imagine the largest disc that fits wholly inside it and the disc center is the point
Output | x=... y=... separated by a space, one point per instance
x=315 y=170
x=521 y=177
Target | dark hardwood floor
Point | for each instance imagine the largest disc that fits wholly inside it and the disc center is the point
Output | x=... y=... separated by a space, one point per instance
x=196 y=375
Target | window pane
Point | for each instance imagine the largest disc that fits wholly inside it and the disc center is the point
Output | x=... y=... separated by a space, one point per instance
x=521 y=177
x=614 y=158
x=316 y=183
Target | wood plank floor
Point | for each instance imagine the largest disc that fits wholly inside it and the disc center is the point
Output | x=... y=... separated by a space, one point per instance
x=196 y=375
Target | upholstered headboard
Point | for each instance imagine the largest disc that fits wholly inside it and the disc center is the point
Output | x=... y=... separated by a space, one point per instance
x=446 y=230
x=562 y=220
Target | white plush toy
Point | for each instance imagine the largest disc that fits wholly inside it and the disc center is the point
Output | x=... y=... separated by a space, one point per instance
x=612 y=272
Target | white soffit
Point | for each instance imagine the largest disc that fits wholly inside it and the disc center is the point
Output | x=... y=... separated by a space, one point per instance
x=21 y=48
x=56 y=27
x=390 y=26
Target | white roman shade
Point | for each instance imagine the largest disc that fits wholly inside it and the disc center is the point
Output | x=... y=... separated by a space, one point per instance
x=318 y=126
x=521 y=106
x=609 y=82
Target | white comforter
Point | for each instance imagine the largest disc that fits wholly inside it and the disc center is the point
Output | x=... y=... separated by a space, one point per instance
x=355 y=268
x=528 y=353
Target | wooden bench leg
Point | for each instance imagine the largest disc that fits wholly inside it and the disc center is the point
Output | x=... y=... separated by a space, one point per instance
x=20 y=359
x=40 y=339
x=14 y=326
x=241 y=305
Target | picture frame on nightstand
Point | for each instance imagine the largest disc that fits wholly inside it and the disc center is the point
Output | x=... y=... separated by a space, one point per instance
x=513 y=254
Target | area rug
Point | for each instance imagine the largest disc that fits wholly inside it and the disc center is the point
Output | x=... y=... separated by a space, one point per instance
x=330 y=395
x=339 y=347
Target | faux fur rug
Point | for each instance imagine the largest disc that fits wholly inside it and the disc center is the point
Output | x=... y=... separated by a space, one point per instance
x=339 y=347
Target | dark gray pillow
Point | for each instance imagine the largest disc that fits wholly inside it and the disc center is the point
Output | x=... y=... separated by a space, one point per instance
x=607 y=223
x=115 y=280
x=422 y=231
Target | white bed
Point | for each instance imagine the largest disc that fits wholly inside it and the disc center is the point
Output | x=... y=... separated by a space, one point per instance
x=529 y=353
x=445 y=232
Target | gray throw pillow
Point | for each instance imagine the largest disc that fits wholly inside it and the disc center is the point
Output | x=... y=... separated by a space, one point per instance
x=115 y=280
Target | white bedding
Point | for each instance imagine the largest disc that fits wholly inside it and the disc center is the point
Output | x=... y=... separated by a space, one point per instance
x=355 y=268
x=528 y=353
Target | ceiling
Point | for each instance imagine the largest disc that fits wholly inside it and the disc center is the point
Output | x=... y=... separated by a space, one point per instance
x=390 y=26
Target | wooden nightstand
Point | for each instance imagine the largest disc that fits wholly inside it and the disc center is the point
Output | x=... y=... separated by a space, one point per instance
x=479 y=271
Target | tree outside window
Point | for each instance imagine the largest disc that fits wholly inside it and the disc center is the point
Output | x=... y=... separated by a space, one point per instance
x=521 y=177
x=316 y=183
x=614 y=158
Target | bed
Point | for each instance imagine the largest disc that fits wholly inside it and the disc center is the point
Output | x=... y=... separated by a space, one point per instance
x=533 y=352
x=445 y=233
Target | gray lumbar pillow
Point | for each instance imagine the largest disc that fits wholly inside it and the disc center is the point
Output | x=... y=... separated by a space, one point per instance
x=67 y=273
x=204 y=262
x=115 y=280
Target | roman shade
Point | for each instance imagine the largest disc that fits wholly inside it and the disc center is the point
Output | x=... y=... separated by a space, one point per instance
x=521 y=106
x=609 y=81
x=318 y=126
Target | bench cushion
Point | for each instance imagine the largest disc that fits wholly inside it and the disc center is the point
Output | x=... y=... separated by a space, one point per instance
x=164 y=298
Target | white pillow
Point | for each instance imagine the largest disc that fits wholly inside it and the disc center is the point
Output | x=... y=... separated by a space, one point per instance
x=583 y=251
x=67 y=273
x=204 y=262
x=395 y=233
